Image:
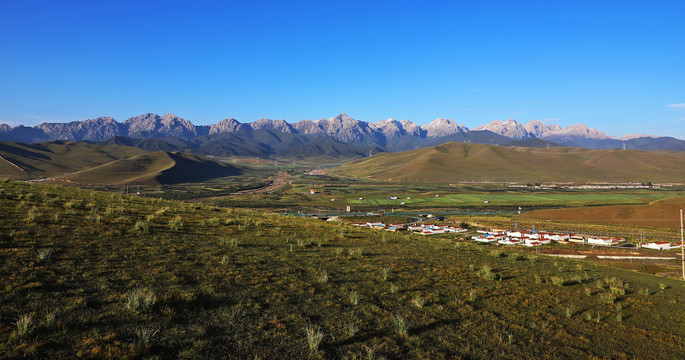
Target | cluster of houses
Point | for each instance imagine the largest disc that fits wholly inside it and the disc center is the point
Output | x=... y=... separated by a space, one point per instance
x=664 y=245
x=538 y=238
x=423 y=229
x=530 y=238
x=432 y=229
x=587 y=186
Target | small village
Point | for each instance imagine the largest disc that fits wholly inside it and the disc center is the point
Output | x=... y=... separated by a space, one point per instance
x=528 y=238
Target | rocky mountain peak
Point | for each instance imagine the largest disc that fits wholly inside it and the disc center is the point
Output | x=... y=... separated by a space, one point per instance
x=388 y=129
x=410 y=128
x=510 y=128
x=268 y=124
x=227 y=125
x=155 y=126
x=343 y=127
x=442 y=127
x=91 y=129
x=582 y=130
x=342 y=118
x=308 y=127
x=538 y=129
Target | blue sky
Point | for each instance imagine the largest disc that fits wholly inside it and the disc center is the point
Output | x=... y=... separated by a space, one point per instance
x=618 y=66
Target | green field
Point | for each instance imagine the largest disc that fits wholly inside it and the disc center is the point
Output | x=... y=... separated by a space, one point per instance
x=512 y=199
x=100 y=275
x=373 y=199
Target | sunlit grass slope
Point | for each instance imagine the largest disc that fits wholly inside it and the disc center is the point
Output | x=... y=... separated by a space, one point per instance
x=98 y=275
x=658 y=214
x=478 y=162
x=57 y=157
x=158 y=167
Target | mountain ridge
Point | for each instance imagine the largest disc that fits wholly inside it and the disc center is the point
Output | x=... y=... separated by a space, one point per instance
x=341 y=127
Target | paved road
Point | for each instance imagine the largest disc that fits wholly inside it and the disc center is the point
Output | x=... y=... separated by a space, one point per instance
x=277 y=182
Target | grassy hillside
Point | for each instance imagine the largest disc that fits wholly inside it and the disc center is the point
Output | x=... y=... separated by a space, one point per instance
x=57 y=157
x=477 y=162
x=658 y=214
x=155 y=168
x=97 y=275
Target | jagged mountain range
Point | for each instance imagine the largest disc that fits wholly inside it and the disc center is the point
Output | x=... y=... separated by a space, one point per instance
x=390 y=134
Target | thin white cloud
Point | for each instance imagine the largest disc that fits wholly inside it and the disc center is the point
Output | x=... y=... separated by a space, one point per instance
x=677 y=106
x=677 y=121
x=552 y=120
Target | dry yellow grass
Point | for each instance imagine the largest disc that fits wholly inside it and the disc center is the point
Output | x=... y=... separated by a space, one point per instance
x=658 y=214
x=466 y=162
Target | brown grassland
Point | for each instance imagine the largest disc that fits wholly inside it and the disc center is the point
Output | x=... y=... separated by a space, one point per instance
x=658 y=214
x=452 y=162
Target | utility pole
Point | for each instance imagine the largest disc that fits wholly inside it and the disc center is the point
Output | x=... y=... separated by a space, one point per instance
x=682 y=246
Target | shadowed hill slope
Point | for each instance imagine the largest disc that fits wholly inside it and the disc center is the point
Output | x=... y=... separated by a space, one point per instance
x=164 y=144
x=479 y=162
x=155 y=168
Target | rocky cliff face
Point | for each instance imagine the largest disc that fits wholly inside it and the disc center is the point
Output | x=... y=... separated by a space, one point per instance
x=536 y=128
x=276 y=125
x=91 y=129
x=575 y=131
x=155 y=126
x=509 y=128
x=388 y=129
x=412 y=129
x=308 y=127
x=345 y=128
x=443 y=127
x=226 y=125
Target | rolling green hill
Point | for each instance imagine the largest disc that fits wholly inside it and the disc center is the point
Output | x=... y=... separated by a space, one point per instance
x=158 y=167
x=57 y=158
x=477 y=162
